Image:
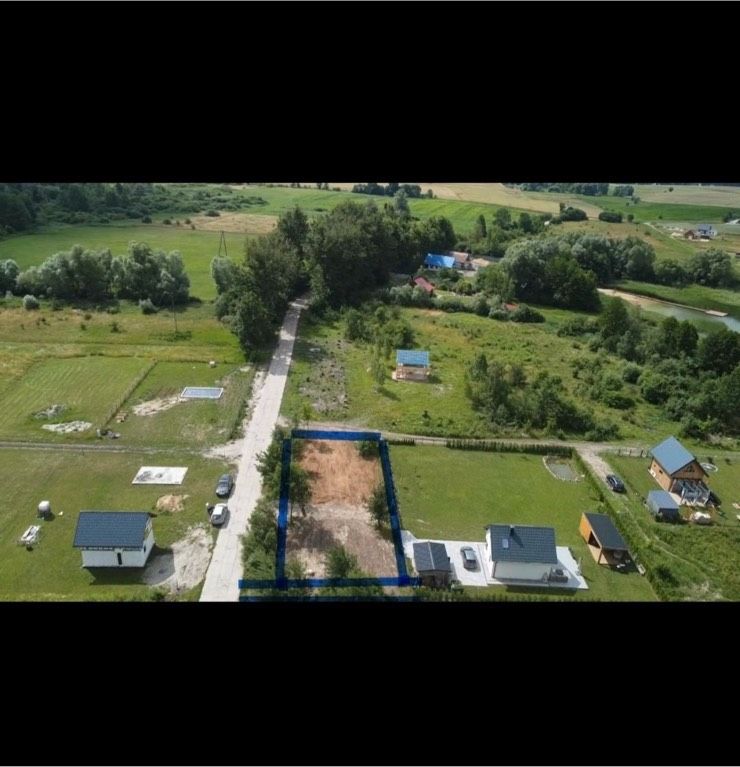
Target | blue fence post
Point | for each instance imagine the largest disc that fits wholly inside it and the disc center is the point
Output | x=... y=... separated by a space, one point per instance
x=390 y=496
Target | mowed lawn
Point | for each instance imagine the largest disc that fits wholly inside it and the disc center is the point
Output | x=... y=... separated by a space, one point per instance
x=441 y=407
x=189 y=423
x=197 y=247
x=705 y=561
x=454 y=494
x=88 y=387
x=86 y=481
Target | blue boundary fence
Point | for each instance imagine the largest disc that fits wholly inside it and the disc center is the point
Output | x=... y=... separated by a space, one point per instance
x=283 y=583
x=320 y=598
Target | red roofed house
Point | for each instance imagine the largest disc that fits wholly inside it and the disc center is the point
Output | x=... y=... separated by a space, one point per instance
x=511 y=307
x=425 y=285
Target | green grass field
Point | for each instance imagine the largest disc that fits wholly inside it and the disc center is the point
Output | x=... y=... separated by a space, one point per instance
x=690 y=194
x=197 y=248
x=701 y=296
x=653 y=211
x=501 y=488
x=191 y=422
x=704 y=562
x=325 y=367
x=88 y=387
x=82 y=480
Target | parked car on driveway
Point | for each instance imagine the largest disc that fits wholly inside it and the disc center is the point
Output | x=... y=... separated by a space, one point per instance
x=470 y=561
x=225 y=486
x=219 y=514
x=615 y=483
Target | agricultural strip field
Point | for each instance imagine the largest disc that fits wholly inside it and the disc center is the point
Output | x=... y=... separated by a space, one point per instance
x=333 y=376
x=75 y=481
x=87 y=388
x=155 y=415
x=700 y=562
x=197 y=248
x=501 y=488
x=690 y=194
x=652 y=211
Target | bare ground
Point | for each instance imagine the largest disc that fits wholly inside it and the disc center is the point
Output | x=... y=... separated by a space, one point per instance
x=68 y=427
x=172 y=503
x=154 y=406
x=184 y=566
x=243 y=223
x=341 y=484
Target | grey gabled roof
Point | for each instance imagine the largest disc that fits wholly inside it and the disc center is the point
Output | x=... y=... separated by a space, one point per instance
x=607 y=535
x=660 y=499
x=111 y=529
x=526 y=543
x=672 y=455
x=431 y=556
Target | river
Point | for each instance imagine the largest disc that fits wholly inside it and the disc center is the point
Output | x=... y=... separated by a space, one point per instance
x=668 y=309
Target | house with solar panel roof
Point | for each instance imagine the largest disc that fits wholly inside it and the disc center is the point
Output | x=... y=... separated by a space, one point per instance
x=412 y=365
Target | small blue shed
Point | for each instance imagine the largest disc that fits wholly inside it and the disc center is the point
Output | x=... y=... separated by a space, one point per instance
x=662 y=506
x=434 y=261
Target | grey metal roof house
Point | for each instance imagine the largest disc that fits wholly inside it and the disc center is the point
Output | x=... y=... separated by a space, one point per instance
x=523 y=543
x=672 y=455
x=114 y=538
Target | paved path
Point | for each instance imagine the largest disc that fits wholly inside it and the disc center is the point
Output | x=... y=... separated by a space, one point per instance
x=225 y=570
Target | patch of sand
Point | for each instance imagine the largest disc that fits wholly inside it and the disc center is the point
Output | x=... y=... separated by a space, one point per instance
x=241 y=223
x=173 y=503
x=184 y=566
x=68 y=427
x=341 y=484
x=154 y=406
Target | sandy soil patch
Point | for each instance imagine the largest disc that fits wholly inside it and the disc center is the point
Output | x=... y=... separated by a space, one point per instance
x=153 y=406
x=341 y=483
x=172 y=503
x=68 y=427
x=243 y=223
x=184 y=566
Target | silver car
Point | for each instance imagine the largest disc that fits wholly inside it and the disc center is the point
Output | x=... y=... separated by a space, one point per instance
x=470 y=561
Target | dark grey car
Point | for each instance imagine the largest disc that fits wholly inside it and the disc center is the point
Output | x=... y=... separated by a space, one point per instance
x=225 y=486
x=615 y=483
x=470 y=561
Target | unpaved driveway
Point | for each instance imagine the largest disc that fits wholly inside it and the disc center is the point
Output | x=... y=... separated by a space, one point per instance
x=182 y=567
x=225 y=570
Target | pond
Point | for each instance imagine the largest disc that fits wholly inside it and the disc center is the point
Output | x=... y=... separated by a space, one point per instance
x=668 y=309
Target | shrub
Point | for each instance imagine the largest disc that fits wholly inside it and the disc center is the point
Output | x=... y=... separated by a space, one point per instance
x=87 y=316
x=147 y=307
x=114 y=327
x=499 y=313
x=146 y=220
x=340 y=563
x=631 y=373
x=167 y=221
x=30 y=302
x=212 y=213
x=524 y=313
x=113 y=309
x=610 y=216
x=83 y=326
x=187 y=221
x=378 y=506
x=367 y=448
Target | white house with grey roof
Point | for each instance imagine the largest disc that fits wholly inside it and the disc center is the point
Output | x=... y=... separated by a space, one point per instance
x=114 y=538
x=520 y=552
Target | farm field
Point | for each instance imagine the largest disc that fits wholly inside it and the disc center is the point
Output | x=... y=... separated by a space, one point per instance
x=154 y=415
x=652 y=211
x=87 y=388
x=73 y=481
x=501 y=488
x=690 y=194
x=333 y=376
x=197 y=248
x=699 y=562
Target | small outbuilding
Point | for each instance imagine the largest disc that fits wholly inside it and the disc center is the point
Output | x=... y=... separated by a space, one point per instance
x=520 y=552
x=662 y=506
x=604 y=540
x=463 y=260
x=436 y=261
x=706 y=230
x=412 y=365
x=114 y=538
x=424 y=284
x=432 y=564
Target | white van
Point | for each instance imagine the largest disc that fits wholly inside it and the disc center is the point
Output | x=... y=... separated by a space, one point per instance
x=219 y=514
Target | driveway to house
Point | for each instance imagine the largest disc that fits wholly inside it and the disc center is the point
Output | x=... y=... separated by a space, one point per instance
x=225 y=569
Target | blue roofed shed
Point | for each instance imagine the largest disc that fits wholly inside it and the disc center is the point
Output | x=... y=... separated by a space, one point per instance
x=114 y=538
x=412 y=365
x=662 y=506
x=435 y=261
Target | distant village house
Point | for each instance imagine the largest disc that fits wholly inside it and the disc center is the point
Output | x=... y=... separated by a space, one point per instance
x=424 y=284
x=412 y=365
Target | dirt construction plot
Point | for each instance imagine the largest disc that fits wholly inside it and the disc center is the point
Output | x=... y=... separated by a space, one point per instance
x=341 y=484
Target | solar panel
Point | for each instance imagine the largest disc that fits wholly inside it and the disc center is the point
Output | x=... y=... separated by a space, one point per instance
x=201 y=392
x=505 y=543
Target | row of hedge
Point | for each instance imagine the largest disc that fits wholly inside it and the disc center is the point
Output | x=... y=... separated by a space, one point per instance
x=509 y=447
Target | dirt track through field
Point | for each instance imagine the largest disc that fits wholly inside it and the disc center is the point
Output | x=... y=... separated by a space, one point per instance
x=341 y=484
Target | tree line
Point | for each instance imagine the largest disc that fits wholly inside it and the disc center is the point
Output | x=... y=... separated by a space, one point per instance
x=343 y=256
x=24 y=206
x=390 y=190
x=80 y=274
